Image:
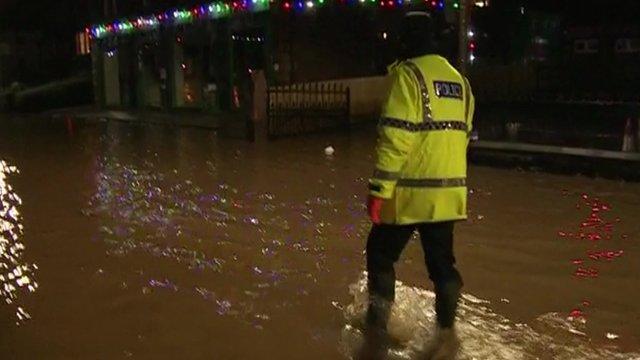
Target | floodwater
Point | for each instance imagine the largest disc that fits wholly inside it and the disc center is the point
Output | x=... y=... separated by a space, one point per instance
x=124 y=241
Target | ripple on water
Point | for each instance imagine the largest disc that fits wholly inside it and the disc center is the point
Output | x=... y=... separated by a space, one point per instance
x=142 y=210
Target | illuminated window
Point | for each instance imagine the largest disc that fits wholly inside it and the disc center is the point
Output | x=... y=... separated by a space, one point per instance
x=586 y=46
x=83 y=43
x=627 y=46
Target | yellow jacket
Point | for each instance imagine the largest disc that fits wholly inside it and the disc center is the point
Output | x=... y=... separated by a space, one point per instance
x=421 y=165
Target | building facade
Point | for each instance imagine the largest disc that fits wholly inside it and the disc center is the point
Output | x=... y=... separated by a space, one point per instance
x=206 y=57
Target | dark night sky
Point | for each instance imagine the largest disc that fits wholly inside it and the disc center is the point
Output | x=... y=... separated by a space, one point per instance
x=45 y=15
x=71 y=15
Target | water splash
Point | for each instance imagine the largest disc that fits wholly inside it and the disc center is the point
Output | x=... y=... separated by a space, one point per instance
x=15 y=275
x=484 y=334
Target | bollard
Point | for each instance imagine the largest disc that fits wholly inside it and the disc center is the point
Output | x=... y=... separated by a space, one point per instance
x=69 y=123
x=637 y=137
x=513 y=128
x=628 y=137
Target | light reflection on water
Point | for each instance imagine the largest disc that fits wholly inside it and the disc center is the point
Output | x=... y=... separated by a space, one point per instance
x=262 y=249
x=15 y=274
x=249 y=244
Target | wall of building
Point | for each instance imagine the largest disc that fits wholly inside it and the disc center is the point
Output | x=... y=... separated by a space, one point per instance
x=601 y=70
x=367 y=95
x=503 y=82
x=334 y=43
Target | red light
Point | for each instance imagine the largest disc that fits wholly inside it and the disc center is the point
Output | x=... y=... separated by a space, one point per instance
x=287 y=5
x=472 y=46
x=433 y=3
x=575 y=313
x=390 y=3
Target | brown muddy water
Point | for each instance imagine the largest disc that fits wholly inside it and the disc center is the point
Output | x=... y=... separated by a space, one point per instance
x=120 y=241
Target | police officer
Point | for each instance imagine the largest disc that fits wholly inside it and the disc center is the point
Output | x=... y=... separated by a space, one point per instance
x=419 y=182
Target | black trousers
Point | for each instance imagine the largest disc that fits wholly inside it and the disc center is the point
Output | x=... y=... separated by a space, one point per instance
x=384 y=246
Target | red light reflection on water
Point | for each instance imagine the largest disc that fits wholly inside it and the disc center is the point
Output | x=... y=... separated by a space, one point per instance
x=595 y=228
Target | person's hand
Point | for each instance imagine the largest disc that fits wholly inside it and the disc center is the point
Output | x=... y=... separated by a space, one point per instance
x=374 y=206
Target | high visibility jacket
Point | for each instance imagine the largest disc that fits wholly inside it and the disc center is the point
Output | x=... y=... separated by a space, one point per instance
x=424 y=131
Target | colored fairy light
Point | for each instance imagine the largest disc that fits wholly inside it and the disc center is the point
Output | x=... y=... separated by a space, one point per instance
x=218 y=9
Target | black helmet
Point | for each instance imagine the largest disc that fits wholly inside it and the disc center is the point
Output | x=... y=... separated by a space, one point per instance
x=417 y=36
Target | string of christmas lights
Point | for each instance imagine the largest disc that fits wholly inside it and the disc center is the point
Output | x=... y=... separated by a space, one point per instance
x=222 y=10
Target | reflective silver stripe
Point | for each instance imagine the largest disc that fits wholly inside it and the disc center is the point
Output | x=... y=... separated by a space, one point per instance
x=425 y=126
x=467 y=99
x=424 y=92
x=385 y=175
x=432 y=183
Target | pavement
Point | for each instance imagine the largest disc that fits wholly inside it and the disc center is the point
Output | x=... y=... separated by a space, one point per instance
x=183 y=118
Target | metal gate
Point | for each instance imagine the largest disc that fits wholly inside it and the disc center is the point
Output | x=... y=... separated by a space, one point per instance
x=307 y=108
